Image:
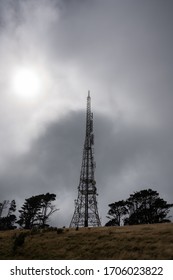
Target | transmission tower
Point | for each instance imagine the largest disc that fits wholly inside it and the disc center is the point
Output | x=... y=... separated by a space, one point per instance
x=86 y=212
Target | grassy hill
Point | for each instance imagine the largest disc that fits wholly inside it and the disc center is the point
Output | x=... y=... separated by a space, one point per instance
x=128 y=242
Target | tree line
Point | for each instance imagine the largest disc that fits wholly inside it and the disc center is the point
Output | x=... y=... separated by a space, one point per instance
x=142 y=207
x=35 y=212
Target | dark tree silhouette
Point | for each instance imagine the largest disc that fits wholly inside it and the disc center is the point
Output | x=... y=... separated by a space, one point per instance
x=117 y=211
x=47 y=209
x=36 y=210
x=142 y=207
x=146 y=207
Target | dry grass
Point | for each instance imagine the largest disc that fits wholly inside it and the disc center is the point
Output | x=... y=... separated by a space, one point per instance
x=129 y=242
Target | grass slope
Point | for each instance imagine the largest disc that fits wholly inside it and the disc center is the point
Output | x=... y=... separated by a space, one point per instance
x=128 y=242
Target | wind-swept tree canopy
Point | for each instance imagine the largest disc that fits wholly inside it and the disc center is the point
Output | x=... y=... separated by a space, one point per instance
x=142 y=207
x=146 y=207
x=117 y=210
x=36 y=210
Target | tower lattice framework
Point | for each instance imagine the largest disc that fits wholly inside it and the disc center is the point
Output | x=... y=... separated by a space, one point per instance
x=86 y=210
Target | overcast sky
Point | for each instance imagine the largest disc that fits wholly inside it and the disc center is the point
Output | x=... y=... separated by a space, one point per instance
x=120 y=50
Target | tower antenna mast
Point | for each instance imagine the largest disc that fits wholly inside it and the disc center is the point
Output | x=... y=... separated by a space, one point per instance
x=86 y=211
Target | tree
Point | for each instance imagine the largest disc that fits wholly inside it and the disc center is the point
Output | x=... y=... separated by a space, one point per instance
x=117 y=211
x=36 y=210
x=12 y=207
x=29 y=211
x=7 y=222
x=47 y=209
x=142 y=207
x=146 y=207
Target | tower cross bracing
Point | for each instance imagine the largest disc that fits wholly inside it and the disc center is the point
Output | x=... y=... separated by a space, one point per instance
x=86 y=210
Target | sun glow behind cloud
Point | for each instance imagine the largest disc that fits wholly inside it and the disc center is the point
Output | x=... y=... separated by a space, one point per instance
x=26 y=83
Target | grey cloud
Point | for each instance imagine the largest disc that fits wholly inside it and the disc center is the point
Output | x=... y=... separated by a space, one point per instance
x=127 y=159
x=122 y=51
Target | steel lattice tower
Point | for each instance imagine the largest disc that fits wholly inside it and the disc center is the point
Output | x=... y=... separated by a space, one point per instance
x=86 y=211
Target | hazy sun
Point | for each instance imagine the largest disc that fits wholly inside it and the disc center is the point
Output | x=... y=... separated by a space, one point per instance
x=26 y=83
